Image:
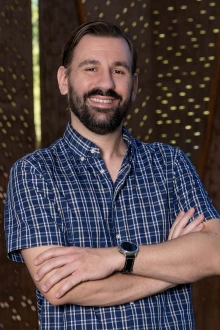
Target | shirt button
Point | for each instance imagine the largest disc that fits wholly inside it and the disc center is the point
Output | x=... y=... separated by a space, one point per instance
x=102 y=171
x=92 y=150
x=118 y=236
x=82 y=159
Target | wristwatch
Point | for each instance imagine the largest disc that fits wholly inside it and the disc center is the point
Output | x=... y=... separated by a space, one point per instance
x=129 y=250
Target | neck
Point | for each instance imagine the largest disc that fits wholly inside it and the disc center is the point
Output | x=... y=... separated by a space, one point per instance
x=111 y=145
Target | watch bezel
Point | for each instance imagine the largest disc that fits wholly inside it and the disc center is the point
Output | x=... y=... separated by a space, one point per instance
x=123 y=249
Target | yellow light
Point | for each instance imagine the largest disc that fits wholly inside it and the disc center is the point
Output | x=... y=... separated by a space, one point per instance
x=206 y=113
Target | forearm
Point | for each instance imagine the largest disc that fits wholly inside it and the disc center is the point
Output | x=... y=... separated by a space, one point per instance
x=182 y=260
x=116 y=289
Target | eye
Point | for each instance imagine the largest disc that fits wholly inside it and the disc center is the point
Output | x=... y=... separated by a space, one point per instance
x=90 y=69
x=117 y=71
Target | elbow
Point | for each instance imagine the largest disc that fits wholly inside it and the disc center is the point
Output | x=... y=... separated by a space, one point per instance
x=54 y=301
x=51 y=298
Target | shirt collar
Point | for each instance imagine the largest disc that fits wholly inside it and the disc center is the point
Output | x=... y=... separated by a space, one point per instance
x=82 y=147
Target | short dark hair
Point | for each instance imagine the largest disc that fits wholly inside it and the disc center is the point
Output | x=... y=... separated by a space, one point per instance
x=100 y=29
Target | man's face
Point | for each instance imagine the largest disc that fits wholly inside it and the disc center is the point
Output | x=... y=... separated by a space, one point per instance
x=100 y=85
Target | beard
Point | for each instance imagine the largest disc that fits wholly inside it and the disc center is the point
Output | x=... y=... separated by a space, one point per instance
x=88 y=115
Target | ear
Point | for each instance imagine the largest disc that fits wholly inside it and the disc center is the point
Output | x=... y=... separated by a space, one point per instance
x=134 y=87
x=62 y=80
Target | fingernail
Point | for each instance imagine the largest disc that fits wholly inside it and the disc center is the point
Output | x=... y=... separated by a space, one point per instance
x=44 y=288
x=36 y=277
x=57 y=295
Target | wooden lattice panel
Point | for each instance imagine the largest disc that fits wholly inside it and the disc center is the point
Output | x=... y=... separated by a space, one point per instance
x=17 y=297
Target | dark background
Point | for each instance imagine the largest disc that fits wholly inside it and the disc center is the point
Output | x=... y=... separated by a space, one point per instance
x=178 y=103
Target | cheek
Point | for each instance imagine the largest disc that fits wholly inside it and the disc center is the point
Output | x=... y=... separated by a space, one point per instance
x=79 y=86
x=83 y=85
x=125 y=89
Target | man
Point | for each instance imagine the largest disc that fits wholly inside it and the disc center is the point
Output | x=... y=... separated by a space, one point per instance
x=93 y=215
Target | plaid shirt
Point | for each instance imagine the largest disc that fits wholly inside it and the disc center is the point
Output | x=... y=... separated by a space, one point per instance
x=64 y=195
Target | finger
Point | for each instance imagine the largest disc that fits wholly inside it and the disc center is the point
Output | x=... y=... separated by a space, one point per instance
x=199 y=228
x=74 y=280
x=182 y=223
x=48 y=254
x=59 y=275
x=49 y=265
x=52 y=253
x=178 y=218
x=193 y=224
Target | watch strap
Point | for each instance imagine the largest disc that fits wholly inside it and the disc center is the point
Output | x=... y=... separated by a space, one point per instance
x=129 y=263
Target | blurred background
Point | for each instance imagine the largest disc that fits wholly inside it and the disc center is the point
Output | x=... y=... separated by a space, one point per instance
x=178 y=103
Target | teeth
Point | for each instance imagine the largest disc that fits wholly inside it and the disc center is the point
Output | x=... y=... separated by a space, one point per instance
x=100 y=101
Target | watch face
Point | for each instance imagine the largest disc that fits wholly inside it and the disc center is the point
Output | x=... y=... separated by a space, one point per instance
x=130 y=247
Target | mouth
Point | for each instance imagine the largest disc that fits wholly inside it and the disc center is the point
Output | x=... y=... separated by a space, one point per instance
x=101 y=100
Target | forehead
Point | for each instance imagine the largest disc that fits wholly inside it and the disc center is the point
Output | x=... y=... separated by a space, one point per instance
x=102 y=48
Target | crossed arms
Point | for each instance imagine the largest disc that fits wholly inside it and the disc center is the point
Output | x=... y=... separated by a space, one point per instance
x=90 y=277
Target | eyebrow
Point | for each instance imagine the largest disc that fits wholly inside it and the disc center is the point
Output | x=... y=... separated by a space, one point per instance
x=95 y=62
x=89 y=62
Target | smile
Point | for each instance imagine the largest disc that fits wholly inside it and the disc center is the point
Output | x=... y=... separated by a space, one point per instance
x=101 y=100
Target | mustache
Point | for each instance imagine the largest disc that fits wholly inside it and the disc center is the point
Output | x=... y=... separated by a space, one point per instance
x=101 y=92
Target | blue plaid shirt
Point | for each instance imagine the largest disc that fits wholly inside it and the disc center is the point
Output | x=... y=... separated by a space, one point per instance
x=64 y=195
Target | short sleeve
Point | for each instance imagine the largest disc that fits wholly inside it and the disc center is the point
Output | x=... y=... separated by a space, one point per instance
x=189 y=190
x=32 y=216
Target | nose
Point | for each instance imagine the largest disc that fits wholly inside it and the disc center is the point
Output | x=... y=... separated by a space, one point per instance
x=105 y=80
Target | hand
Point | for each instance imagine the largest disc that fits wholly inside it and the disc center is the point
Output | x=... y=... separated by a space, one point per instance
x=180 y=227
x=76 y=264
